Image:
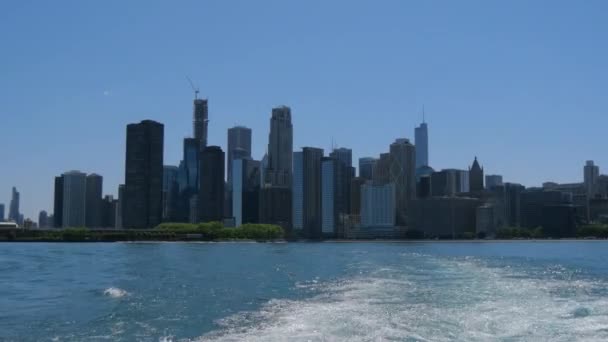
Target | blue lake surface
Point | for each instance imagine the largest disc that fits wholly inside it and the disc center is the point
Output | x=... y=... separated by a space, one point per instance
x=484 y=291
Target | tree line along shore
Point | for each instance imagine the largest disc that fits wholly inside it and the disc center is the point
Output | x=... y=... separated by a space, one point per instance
x=215 y=231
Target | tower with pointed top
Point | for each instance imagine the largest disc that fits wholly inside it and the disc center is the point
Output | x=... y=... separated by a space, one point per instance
x=476 y=177
x=421 y=142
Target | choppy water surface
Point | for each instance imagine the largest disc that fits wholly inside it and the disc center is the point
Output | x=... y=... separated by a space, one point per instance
x=528 y=291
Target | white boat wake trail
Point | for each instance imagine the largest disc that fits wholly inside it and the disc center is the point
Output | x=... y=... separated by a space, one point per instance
x=432 y=299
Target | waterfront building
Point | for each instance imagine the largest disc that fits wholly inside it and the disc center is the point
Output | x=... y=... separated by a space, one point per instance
x=13 y=210
x=170 y=193
x=403 y=175
x=58 y=203
x=591 y=176
x=43 y=218
x=211 y=192
x=143 y=175
x=298 y=192
x=476 y=177
x=93 y=198
x=245 y=191
x=1 y=212
x=74 y=197
x=328 y=196
x=378 y=205
x=311 y=162
x=445 y=217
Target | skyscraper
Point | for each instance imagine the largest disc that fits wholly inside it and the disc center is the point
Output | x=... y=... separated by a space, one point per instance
x=422 y=145
x=403 y=175
x=239 y=147
x=366 y=167
x=245 y=191
x=280 y=148
x=143 y=175
x=312 y=192
x=43 y=219
x=328 y=196
x=13 y=211
x=591 y=176
x=1 y=212
x=93 y=203
x=298 y=191
x=74 y=197
x=493 y=181
x=170 y=192
x=344 y=155
x=211 y=191
x=58 y=203
x=476 y=177
x=200 y=122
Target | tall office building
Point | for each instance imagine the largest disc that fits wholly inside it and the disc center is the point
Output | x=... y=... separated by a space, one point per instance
x=43 y=218
x=298 y=191
x=245 y=191
x=378 y=205
x=239 y=147
x=13 y=210
x=211 y=191
x=382 y=169
x=280 y=148
x=170 y=193
x=366 y=167
x=344 y=155
x=493 y=181
x=328 y=196
x=108 y=211
x=422 y=145
x=143 y=175
x=403 y=175
x=58 y=203
x=1 y=212
x=120 y=207
x=311 y=162
x=201 y=122
x=476 y=177
x=591 y=176
x=93 y=203
x=74 y=198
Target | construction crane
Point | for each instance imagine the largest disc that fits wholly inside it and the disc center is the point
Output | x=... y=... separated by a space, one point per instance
x=196 y=91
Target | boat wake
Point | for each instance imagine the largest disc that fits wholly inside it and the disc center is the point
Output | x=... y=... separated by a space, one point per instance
x=440 y=300
x=115 y=292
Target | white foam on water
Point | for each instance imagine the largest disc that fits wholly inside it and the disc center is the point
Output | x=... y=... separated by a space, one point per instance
x=442 y=300
x=115 y=292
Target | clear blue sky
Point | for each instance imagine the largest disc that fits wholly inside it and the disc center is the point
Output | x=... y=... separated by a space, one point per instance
x=521 y=84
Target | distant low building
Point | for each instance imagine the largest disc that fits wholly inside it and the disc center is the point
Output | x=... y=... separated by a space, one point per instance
x=445 y=217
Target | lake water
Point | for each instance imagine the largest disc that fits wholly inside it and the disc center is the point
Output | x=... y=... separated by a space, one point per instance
x=489 y=291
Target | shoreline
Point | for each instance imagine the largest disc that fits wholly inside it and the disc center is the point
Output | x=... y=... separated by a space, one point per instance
x=339 y=241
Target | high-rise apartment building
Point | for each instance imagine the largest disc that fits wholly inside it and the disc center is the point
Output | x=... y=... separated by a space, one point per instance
x=239 y=147
x=403 y=174
x=93 y=204
x=1 y=212
x=311 y=162
x=200 y=122
x=591 y=176
x=58 y=203
x=476 y=177
x=298 y=192
x=422 y=145
x=366 y=167
x=211 y=191
x=143 y=175
x=13 y=210
x=245 y=191
x=280 y=148
x=74 y=198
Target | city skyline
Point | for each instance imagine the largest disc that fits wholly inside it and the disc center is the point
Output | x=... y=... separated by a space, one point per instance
x=519 y=112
